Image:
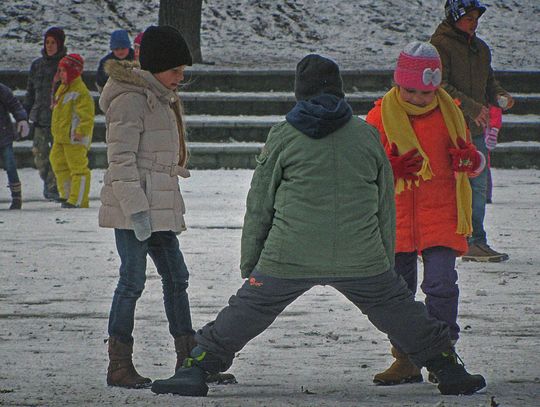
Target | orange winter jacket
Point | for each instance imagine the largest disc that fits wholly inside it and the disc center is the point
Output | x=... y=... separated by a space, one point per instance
x=426 y=216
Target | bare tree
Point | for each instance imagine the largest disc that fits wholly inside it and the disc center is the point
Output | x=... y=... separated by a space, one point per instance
x=185 y=16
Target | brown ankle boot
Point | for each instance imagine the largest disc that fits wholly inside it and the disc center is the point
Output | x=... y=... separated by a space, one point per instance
x=183 y=345
x=401 y=371
x=16 y=196
x=121 y=371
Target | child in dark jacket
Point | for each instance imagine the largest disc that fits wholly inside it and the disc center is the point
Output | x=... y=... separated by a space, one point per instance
x=10 y=104
x=38 y=105
x=120 y=45
x=320 y=211
x=426 y=140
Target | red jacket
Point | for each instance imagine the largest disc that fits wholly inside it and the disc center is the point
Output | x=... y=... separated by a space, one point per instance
x=426 y=216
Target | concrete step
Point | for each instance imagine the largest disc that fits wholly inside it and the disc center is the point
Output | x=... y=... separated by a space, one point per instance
x=259 y=80
x=279 y=103
x=213 y=128
x=242 y=155
x=202 y=155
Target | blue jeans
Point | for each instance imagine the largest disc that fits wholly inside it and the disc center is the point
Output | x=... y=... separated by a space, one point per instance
x=164 y=250
x=10 y=164
x=479 y=195
x=439 y=283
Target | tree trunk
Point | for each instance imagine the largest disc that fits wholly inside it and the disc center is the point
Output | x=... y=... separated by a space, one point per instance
x=185 y=16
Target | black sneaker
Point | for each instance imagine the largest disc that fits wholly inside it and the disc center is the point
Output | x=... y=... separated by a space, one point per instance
x=452 y=377
x=51 y=195
x=68 y=205
x=187 y=381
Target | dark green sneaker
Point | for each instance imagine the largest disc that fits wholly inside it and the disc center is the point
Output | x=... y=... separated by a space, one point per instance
x=187 y=381
x=451 y=375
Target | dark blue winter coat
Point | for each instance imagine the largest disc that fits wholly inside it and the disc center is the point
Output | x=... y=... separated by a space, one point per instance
x=101 y=75
x=39 y=88
x=9 y=104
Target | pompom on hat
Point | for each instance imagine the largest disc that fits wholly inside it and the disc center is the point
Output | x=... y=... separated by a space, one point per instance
x=315 y=75
x=59 y=36
x=163 y=48
x=419 y=67
x=73 y=64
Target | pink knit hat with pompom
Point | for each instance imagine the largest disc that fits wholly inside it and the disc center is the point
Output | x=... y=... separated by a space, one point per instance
x=419 y=67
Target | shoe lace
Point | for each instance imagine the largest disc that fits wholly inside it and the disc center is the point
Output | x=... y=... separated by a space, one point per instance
x=454 y=357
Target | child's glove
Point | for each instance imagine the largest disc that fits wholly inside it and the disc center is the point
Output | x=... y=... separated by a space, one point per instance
x=23 y=129
x=141 y=225
x=407 y=165
x=466 y=158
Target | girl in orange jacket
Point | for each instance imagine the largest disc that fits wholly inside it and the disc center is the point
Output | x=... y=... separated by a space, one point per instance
x=427 y=142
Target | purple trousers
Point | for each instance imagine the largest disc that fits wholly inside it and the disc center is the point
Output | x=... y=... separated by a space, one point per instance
x=439 y=284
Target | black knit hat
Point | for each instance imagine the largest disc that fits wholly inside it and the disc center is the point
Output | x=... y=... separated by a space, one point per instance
x=163 y=48
x=316 y=74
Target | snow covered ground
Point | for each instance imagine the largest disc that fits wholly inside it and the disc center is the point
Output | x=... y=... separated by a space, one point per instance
x=58 y=271
x=273 y=34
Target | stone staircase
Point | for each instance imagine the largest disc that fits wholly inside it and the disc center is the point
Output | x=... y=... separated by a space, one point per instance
x=229 y=114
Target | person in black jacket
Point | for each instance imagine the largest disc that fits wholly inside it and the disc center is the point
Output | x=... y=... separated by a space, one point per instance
x=10 y=104
x=38 y=105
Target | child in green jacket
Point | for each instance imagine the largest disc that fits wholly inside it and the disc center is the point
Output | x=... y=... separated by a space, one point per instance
x=320 y=211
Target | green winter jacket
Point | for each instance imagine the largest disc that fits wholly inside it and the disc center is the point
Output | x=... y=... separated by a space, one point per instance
x=320 y=205
x=467 y=72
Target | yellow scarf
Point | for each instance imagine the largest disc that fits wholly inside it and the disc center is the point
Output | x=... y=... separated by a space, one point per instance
x=398 y=129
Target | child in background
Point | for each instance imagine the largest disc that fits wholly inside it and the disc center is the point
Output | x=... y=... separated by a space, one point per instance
x=38 y=105
x=120 y=45
x=426 y=140
x=72 y=127
x=137 y=45
x=10 y=104
x=469 y=77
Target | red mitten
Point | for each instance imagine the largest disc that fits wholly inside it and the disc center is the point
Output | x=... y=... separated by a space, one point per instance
x=407 y=165
x=465 y=158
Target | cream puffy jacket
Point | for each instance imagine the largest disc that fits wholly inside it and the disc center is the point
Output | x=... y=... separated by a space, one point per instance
x=142 y=151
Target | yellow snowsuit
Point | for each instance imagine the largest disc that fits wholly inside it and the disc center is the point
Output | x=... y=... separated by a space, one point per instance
x=73 y=113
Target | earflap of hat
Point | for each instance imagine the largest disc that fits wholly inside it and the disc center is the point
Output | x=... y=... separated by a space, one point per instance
x=73 y=64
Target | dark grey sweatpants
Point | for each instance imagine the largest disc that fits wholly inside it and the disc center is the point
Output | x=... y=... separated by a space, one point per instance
x=384 y=298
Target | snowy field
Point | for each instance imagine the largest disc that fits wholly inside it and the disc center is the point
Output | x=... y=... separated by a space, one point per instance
x=58 y=271
x=272 y=34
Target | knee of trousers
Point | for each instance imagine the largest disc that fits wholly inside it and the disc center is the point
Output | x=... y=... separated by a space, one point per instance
x=180 y=287
x=130 y=289
x=441 y=289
